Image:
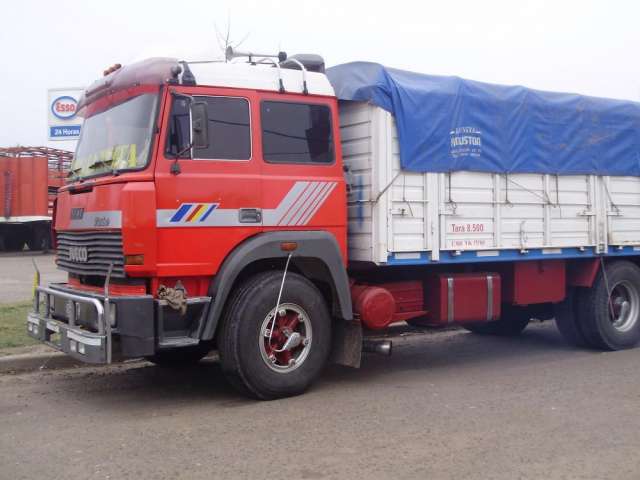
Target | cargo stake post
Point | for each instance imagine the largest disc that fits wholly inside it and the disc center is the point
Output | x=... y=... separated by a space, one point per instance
x=276 y=213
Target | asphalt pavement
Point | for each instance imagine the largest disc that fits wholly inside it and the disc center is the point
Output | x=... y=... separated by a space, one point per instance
x=450 y=405
x=16 y=274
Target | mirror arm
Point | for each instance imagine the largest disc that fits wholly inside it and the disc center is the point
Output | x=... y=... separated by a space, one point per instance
x=180 y=94
x=175 y=166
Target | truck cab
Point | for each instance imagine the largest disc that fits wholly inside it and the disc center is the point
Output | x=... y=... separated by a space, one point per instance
x=188 y=181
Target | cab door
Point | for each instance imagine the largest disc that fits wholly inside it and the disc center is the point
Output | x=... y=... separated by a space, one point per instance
x=210 y=202
x=303 y=181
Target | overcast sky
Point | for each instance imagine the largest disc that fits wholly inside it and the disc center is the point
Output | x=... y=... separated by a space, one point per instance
x=588 y=47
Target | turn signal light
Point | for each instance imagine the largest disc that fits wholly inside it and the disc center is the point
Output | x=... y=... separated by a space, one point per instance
x=288 y=246
x=134 y=259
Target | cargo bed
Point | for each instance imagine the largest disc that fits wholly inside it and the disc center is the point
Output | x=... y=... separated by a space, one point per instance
x=398 y=217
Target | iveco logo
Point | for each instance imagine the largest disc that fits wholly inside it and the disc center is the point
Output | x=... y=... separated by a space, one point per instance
x=78 y=254
x=77 y=213
x=101 y=222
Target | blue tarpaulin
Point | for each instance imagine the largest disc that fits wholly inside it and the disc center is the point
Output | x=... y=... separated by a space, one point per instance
x=450 y=124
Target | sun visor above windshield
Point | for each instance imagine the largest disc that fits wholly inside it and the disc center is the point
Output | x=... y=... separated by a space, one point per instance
x=150 y=72
x=111 y=99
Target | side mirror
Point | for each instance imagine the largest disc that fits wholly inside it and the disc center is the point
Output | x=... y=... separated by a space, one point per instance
x=199 y=125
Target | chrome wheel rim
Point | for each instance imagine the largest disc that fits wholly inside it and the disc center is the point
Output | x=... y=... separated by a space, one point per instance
x=286 y=347
x=624 y=306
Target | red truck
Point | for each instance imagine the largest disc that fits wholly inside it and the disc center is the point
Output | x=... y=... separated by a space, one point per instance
x=244 y=208
x=30 y=178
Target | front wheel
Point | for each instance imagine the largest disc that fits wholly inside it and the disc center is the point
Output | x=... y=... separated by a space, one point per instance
x=271 y=353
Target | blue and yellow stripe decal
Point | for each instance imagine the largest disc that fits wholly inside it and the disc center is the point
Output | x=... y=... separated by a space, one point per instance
x=193 y=212
x=298 y=207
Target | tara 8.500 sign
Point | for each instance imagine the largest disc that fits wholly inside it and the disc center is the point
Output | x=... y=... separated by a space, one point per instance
x=64 y=124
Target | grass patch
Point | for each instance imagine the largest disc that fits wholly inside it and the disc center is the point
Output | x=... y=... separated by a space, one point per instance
x=13 y=325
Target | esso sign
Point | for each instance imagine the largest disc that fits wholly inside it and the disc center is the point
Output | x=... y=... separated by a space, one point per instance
x=63 y=121
x=64 y=107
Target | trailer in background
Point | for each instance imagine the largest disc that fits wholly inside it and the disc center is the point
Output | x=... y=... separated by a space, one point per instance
x=29 y=182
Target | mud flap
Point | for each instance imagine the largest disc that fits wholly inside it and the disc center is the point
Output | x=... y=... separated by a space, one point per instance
x=347 y=343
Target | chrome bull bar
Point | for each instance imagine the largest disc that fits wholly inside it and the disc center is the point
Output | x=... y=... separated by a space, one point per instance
x=69 y=337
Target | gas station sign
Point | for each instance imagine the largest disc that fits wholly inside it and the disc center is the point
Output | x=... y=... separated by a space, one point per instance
x=63 y=122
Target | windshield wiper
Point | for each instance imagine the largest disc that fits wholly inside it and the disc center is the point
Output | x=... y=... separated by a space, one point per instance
x=118 y=171
x=73 y=173
x=99 y=163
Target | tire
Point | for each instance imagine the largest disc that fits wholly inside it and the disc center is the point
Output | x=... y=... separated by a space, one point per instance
x=179 y=357
x=566 y=317
x=14 y=243
x=39 y=239
x=603 y=328
x=512 y=322
x=250 y=359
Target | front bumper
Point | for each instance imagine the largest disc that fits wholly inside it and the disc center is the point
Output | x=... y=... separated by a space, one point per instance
x=92 y=328
x=90 y=347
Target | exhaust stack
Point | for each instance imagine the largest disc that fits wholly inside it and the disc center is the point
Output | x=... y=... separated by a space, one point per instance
x=381 y=347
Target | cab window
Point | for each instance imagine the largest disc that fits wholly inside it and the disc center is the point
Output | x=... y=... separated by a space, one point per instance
x=229 y=129
x=296 y=133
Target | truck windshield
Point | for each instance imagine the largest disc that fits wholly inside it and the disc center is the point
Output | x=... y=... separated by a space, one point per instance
x=117 y=138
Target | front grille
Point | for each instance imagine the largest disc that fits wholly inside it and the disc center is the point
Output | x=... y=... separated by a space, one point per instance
x=103 y=248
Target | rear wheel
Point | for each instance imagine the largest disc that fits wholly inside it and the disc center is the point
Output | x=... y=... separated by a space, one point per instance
x=567 y=321
x=513 y=321
x=271 y=354
x=39 y=238
x=609 y=312
x=14 y=243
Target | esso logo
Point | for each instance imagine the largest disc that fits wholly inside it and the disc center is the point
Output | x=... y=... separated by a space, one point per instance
x=64 y=107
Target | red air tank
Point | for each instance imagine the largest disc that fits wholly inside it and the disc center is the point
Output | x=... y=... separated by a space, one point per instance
x=375 y=305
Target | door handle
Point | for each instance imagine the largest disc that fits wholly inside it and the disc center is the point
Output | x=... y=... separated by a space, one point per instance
x=250 y=215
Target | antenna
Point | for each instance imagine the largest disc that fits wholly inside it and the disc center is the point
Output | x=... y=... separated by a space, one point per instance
x=230 y=53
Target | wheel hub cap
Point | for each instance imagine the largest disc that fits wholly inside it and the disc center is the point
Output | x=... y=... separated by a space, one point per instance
x=624 y=306
x=286 y=340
